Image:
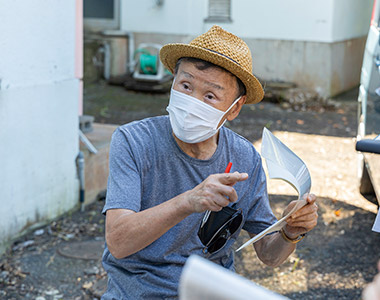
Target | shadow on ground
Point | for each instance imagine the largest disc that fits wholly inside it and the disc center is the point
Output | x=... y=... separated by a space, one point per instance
x=334 y=261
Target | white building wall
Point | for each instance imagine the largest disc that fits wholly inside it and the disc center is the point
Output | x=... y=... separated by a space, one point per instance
x=350 y=19
x=38 y=113
x=324 y=21
x=297 y=20
x=173 y=17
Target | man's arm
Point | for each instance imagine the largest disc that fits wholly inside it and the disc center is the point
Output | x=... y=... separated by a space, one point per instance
x=274 y=249
x=128 y=232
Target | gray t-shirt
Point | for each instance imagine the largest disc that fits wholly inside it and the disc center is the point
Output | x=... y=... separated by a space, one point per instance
x=147 y=168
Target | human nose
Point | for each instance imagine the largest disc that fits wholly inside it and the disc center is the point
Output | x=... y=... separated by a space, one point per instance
x=197 y=95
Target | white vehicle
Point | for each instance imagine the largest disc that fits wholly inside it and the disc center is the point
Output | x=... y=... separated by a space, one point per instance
x=368 y=139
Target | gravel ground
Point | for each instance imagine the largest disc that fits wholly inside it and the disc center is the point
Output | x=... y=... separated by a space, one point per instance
x=335 y=260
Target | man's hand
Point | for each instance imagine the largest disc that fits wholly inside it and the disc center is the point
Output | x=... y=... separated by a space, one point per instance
x=273 y=249
x=372 y=290
x=214 y=193
x=303 y=220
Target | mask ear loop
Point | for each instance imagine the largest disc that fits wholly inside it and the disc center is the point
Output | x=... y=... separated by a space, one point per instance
x=232 y=105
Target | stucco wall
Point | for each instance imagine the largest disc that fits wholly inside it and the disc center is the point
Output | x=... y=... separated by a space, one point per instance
x=38 y=113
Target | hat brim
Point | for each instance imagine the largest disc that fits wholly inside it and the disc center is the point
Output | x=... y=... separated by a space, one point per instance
x=170 y=53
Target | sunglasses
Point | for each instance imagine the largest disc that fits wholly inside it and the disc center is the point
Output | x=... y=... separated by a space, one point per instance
x=219 y=228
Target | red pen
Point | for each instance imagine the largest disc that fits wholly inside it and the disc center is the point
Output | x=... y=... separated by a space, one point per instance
x=208 y=212
x=228 y=169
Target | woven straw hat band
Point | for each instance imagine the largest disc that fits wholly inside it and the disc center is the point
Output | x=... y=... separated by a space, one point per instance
x=224 y=43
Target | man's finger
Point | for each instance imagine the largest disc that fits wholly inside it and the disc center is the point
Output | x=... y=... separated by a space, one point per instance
x=227 y=192
x=222 y=201
x=289 y=207
x=304 y=218
x=232 y=178
x=310 y=198
x=306 y=210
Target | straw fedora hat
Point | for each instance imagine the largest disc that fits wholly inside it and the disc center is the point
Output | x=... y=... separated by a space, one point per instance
x=222 y=49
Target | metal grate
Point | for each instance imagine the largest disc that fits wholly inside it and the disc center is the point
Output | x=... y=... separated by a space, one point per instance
x=219 y=9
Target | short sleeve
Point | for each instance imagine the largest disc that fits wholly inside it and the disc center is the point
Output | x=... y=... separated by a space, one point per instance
x=124 y=181
x=260 y=215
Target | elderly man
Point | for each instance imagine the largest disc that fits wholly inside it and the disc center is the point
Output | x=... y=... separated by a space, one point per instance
x=166 y=172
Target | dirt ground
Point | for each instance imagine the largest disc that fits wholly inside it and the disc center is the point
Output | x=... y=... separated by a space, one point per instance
x=335 y=260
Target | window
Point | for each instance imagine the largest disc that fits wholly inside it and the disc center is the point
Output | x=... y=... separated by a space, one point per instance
x=219 y=11
x=101 y=14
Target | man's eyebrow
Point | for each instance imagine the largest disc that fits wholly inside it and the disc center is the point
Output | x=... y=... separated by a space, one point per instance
x=214 y=85
x=186 y=74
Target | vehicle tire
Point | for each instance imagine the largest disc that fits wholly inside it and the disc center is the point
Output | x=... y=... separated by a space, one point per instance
x=377 y=105
x=364 y=182
x=365 y=185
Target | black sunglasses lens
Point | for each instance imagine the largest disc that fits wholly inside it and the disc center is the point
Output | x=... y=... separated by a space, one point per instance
x=235 y=223
x=217 y=244
x=224 y=235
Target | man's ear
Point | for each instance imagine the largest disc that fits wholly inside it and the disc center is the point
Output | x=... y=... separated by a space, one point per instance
x=235 y=110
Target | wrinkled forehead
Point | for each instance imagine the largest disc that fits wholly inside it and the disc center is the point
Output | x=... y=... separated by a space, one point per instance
x=200 y=64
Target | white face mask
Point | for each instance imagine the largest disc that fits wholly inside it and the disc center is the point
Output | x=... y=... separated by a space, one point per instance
x=192 y=120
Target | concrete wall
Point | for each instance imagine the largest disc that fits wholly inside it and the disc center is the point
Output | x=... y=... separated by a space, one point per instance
x=96 y=166
x=328 y=68
x=316 y=44
x=39 y=96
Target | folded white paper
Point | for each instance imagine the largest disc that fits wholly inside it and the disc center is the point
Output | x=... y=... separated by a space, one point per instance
x=202 y=279
x=283 y=163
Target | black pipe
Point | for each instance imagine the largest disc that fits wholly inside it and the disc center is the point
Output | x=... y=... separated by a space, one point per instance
x=367 y=145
